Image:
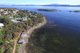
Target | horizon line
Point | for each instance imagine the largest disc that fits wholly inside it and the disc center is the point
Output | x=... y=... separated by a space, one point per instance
x=40 y=4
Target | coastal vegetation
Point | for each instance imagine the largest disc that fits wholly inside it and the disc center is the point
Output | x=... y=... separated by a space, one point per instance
x=15 y=22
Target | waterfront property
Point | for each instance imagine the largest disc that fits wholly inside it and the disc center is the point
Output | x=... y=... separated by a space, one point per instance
x=10 y=11
x=14 y=23
x=17 y=20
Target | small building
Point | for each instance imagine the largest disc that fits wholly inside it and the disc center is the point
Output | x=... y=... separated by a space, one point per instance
x=1 y=25
x=15 y=21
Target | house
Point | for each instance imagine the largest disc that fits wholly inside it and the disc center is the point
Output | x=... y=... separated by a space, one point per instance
x=1 y=25
x=17 y=20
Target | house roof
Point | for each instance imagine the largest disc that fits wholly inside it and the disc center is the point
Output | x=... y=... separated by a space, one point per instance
x=1 y=24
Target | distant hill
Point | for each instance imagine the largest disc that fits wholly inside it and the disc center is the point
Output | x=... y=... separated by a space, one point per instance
x=62 y=5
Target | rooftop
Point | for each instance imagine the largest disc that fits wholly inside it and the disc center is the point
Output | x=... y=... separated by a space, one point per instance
x=1 y=24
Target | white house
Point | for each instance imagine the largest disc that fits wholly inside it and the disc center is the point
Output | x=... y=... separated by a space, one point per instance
x=1 y=25
x=15 y=21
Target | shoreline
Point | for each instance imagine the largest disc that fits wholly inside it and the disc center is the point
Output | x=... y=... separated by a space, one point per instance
x=26 y=35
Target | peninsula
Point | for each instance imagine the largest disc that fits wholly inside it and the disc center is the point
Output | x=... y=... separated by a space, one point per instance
x=16 y=26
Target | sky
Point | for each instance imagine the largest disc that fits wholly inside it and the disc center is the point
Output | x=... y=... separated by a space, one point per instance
x=40 y=2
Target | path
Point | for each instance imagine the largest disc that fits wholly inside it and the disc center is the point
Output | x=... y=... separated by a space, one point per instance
x=26 y=35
